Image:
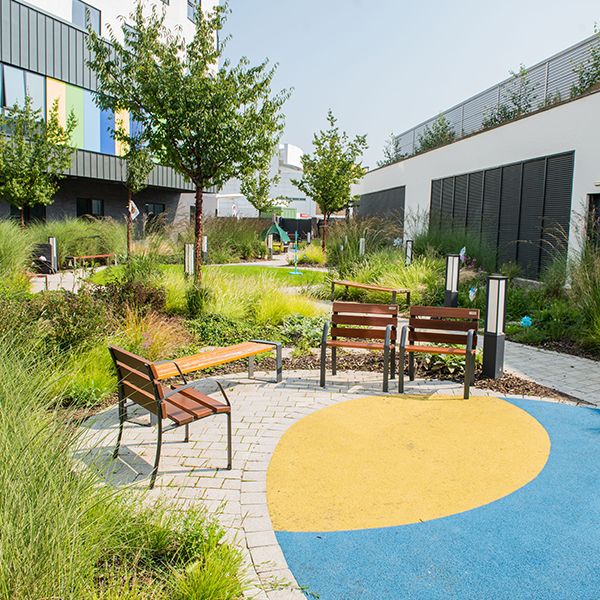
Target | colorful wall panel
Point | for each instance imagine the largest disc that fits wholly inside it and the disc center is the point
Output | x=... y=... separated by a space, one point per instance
x=107 y=125
x=75 y=105
x=121 y=123
x=91 y=122
x=57 y=91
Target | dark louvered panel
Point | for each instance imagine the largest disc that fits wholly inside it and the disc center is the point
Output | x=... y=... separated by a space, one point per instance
x=474 y=199
x=460 y=202
x=435 y=206
x=557 y=207
x=447 y=203
x=530 y=228
x=491 y=207
x=508 y=230
x=388 y=204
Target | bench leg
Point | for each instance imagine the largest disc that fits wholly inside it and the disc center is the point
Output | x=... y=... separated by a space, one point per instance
x=279 y=362
x=186 y=439
x=323 y=364
x=251 y=367
x=334 y=361
x=411 y=366
x=386 y=368
x=122 y=416
x=393 y=363
x=229 y=453
x=157 y=458
x=401 y=371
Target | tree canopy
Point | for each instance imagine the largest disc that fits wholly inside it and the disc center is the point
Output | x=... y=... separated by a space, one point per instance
x=332 y=169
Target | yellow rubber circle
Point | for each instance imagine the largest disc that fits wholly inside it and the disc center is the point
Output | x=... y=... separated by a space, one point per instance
x=387 y=461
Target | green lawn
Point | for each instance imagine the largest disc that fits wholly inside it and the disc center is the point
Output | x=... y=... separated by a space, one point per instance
x=282 y=274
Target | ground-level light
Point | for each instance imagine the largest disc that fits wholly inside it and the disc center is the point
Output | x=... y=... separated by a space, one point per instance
x=452 y=277
x=495 y=316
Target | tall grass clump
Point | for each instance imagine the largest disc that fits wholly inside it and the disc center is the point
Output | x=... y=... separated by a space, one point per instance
x=84 y=236
x=310 y=255
x=64 y=535
x=584 y=294
x=16 y=248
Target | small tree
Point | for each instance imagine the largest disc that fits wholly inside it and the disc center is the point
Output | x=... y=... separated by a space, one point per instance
x=206 y=118
x=35 y=154
x=256 y=187
x=392 y=151
x=331 y=171
x=438 y=134
x=139 y=165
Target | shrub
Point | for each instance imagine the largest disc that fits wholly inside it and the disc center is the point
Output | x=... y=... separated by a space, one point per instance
x=310 y=255
x=219 y=330
x=136 y=295
x=303 y=332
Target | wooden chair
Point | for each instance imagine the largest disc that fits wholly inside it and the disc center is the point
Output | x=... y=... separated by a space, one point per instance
x=371 y=288
x=368 y=326
x=440 y=325
x=180 y=405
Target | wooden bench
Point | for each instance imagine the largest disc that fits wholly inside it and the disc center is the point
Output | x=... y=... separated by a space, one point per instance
x=72 y=260
x=220 y=356
x=440 y=325
x=366 y=326
x=372 y=288
x=180 y=405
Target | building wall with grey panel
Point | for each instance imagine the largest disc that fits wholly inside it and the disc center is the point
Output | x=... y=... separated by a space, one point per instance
x=521 y=210
x=387 y=204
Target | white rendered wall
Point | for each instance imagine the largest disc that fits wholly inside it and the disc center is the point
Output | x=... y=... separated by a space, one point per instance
x=571 y=126
x=175 y=11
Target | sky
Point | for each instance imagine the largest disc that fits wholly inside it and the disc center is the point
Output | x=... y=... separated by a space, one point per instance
x=387 y=65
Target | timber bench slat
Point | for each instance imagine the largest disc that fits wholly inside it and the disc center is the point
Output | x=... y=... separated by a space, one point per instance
x=369 y=287
x=440 y=325
x=354 y=344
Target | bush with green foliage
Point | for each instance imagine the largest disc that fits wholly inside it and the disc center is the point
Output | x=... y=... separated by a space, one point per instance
x=439 y=133
x=588 y=73
x=16 y=249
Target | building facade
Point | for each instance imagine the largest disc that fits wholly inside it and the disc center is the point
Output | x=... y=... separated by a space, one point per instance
x=528 y=188
x=43 y=55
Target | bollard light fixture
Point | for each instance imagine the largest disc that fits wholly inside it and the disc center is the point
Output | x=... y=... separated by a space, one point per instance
x=270 y=245
x=408 y=252
x=205 y=248
x=452 y=278
x=495 y=317
x=362 y=244
x=53 y=253
x=188 y=260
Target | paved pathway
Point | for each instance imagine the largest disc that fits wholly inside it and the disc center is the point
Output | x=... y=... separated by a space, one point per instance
x=188 y=475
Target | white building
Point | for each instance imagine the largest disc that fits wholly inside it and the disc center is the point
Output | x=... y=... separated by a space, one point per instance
x=524 y=187
x=287 y=164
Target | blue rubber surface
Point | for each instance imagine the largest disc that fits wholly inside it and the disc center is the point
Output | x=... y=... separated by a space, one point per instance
x=541 y=542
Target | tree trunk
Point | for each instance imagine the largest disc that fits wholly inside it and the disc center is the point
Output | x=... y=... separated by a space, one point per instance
x=22 y=216
x=198 y=231
x=129 y=198
x=324 y=238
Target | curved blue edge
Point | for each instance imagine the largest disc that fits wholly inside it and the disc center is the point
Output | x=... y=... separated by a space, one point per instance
x=540 y=542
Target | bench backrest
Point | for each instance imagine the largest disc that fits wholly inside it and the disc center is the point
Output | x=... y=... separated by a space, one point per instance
x=442 y=325
x=136 y=381
x=364 y=321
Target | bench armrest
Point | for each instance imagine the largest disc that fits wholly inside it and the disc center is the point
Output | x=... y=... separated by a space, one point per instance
x=388 y=336
x=404 y=336
x=274 y=344
x=325 y=333
x=179 y=388
x=470 y=337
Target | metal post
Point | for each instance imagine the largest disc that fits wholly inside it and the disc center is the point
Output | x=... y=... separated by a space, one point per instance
x=188 y=260
x=408 y=252
x=204 y=248
x=53 y=253
x=361 y=246
x=270 y=246
x=495 y=317
x=452 y=278
x=308 y=238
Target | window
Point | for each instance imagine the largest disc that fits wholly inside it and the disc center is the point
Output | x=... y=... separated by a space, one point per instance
x=191 y=10
x=154 y=208
x=84 y=13
x=90 y=207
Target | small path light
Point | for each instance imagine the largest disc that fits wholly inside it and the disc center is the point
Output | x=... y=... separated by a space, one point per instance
x=495 y=316
x=408 y=252
x=361 y=246
x=53 y=254
x=205 y=248
x=188 y=260
x=270 y=245
x=308 y=238
x=452 y=276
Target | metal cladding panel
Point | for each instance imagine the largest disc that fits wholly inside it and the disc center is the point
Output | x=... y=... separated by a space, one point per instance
x=460 y=202
x=435 y=206
x=447 y=203
x=530 y=223
x=510 y=202
x=388 y=204
x=474 y=204
x=491 y=207
x=557 y=207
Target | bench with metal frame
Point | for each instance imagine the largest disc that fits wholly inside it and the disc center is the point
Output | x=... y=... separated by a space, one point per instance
x=72 y=260
x=371 y=288
x=365 y=326
x=439 y=325
x=179 y=404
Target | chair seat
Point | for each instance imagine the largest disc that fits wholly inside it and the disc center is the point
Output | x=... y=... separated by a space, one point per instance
x=353 y=344
x=438 y=350
x=191 y=405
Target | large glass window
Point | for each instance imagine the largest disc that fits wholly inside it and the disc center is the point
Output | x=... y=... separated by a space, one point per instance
x=90 y=207
x=191 y=10
x=14 y=86
x=84 y=13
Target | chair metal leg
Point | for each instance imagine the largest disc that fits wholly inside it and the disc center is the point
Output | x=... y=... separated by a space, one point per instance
x=122 y=416
x=401 y=371
x=323 y=364
x=411 y=366
x=386 y=367
x=251 y=367
x=186 y=439
x=393 y=363
x=229 y=453
x=334 y=361
x=157 y=458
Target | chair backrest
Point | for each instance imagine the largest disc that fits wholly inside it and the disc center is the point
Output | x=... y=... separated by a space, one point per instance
x=364 y=321
x=136 y=382
x=442 y=325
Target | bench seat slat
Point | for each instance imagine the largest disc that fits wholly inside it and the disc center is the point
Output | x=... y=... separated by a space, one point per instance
x=379 y=321
x=438 y=350
x=176 y=414
x=210 y=403
x=361 y=309
x=353 y=344
x=366 y=286
x=439 y=338
x=185 y=403
x=445 y=325
x=366 y=334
